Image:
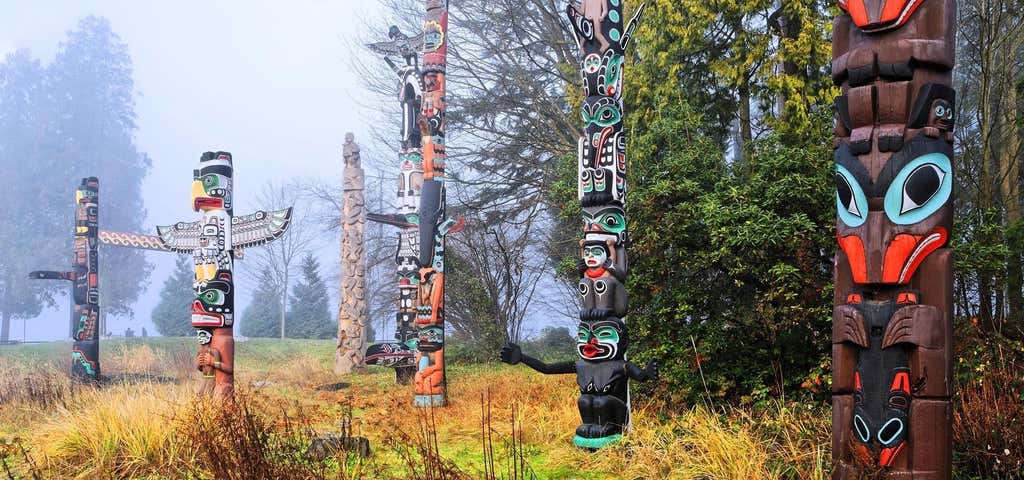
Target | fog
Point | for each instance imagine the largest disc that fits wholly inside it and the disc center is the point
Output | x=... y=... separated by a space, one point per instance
x=270 y=82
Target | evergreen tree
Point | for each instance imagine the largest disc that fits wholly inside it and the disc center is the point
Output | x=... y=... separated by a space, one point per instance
x=91 y=83
x=38 y=209
x=172 y=315
x=58 y=123
x=261 y=317
x=309 y=314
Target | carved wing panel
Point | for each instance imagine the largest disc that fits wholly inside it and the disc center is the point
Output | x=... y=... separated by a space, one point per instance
x=259 y=228
x=182 y=237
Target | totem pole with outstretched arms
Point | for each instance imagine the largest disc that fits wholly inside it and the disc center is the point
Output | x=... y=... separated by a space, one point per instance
x=84 y=275
x=401 y=354
x=892 y=337
x=214 y=241
x=602 y=372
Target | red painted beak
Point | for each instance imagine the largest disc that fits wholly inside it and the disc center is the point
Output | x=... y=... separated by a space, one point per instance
x=903 y=256
x=207 y=202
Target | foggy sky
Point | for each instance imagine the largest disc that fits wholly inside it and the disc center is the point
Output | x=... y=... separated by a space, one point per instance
x=268 y=81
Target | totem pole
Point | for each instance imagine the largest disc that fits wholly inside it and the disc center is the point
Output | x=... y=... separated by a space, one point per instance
x=429 y=382
x=602 y=372
x=214 y=242
x=892 y=334
x=401 y=354
x=84 y=275
x=352 y=294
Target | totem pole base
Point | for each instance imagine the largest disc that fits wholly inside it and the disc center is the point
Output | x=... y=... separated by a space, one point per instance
x=424 y=401
x=596 y=443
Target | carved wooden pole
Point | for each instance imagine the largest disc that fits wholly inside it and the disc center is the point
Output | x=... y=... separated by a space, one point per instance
x=352 y=296
x=401 y=353
x=84 y=275
x=429 y=382
x=603 y=372
x=893 y=332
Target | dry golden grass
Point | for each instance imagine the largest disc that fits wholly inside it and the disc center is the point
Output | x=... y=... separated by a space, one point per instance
x=144 y=428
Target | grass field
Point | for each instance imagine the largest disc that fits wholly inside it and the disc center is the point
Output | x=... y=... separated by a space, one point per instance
x=502 y=422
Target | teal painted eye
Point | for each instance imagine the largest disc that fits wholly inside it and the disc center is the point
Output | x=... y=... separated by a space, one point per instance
x=851 y=202
x=607 y=116
x=583 y=335
x=607 y=334
x=920 y=189
x=212 y=297
x=211 y=181
x=613 y=222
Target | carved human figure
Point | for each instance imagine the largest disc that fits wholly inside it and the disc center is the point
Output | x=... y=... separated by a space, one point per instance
x=601 y=279
x=601 y=373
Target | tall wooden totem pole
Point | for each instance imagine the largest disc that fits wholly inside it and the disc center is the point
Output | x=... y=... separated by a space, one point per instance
x=892 y=334
x=352 y=296
x=84 y=275
x=401 y=354
x=429 y=381
x=602 y=372
x=215 y=241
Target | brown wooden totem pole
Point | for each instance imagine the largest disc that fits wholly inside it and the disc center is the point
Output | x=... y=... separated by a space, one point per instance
x=892 y=335
x=352 y=296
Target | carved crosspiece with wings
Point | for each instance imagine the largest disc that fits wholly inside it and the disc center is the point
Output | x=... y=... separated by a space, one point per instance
x=246 y=231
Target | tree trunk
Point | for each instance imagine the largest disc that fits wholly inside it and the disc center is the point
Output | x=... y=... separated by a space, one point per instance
x=284 y=304
x=1010 y=146
x=5 y=329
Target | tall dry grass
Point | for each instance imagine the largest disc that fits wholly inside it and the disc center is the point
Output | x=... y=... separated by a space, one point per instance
x=502 y=423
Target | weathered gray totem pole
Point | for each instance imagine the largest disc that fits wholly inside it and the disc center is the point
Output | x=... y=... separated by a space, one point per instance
x=401 y=354
x=84 y=275
x=352 y=295
x=602 y=371
x=892 y=335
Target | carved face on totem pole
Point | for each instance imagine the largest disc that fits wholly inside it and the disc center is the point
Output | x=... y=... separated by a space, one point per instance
x=879 y=15
x=213 y=305
x=602 y=339
x=890 y=221
x=602 y=158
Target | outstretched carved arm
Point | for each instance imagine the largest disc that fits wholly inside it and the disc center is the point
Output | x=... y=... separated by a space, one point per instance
x=642 y=374
x=513 y=355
